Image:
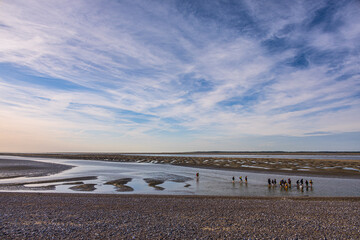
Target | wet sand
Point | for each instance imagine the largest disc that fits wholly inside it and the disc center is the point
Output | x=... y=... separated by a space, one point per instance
x=328 y=167
x=11 y=168
x=90 y=216
x=120 y=184
x=50 y=184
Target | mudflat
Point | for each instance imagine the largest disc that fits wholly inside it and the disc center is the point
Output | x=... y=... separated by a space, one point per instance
x=92 y=216
x=13 y=168
x=328 y=167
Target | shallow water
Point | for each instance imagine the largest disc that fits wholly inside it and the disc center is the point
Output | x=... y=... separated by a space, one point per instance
x=176 y=178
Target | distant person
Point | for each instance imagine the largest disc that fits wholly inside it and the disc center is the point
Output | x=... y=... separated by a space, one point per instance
x=282 y=182
x=311 y=183
x=298 y=183
x=233 y=179
x=269 y=182
x=307 y=183
x=302 y=182
x=240 y=179
x=245 y=179
x=273 y=182
x=289 y=182
x=197 y=175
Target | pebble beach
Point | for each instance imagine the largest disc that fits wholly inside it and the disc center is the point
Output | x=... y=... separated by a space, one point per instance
x=90 y=216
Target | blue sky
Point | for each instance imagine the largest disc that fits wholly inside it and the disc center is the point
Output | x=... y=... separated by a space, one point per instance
x=149 y=76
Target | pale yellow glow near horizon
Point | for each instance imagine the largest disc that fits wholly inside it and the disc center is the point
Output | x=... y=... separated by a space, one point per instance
x=27 y=134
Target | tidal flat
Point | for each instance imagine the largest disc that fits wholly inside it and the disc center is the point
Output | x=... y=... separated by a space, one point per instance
x=327 y=163
x=116 y=177
x=150 y=200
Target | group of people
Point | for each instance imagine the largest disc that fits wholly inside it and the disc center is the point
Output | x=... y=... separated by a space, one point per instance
x=300 y=183
x=233 y=178
x=287 y=184
x=284 y=184
x=240 y=179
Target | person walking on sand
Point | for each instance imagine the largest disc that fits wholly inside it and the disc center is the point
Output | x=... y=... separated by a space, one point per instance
x=307 y=183
x=233 y=179
x=269 y=182
x=311 y=183
x=289 y=182
x=240 y=179
x=245 y=179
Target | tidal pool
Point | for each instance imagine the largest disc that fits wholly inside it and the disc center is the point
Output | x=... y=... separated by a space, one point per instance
x=149 y=178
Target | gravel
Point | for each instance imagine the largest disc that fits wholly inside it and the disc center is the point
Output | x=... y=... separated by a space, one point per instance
x=95 y=216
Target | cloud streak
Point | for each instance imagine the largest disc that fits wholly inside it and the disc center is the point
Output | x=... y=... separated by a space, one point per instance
x=141 y=76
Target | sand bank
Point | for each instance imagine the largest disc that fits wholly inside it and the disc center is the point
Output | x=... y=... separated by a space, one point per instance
x=13 y=168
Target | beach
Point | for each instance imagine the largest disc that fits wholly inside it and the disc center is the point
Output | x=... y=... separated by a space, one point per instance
x=89 y=216
x=51 y=215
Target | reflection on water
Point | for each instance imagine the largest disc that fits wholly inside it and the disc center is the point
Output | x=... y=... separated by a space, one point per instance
x=147 y=178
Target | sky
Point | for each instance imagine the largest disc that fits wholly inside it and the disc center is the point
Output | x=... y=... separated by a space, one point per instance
x=173 y=76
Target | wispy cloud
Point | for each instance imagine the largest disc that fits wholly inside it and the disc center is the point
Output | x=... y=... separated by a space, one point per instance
x=162 y=76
